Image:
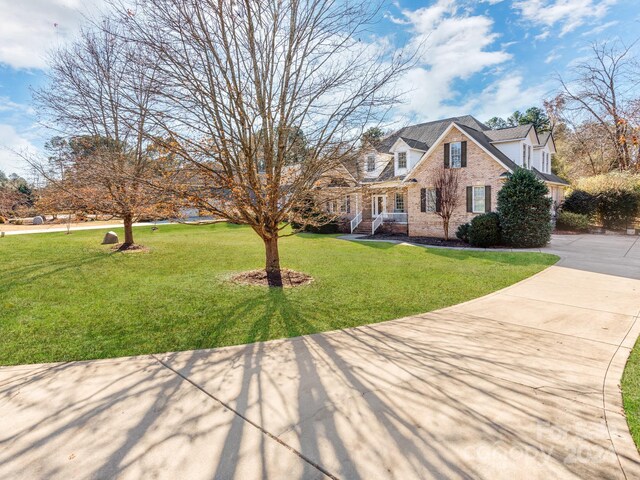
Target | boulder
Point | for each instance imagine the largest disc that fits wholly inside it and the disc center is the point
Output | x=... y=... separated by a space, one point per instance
x=38 y=220
x=111 y=238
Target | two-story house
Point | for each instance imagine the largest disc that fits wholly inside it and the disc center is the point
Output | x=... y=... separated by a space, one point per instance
x=395 y=180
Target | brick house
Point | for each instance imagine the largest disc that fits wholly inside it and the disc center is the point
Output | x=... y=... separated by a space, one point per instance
x=394 y=189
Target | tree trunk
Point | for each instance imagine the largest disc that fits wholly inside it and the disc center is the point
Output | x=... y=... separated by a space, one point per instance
x=445 y=227
x=128 y=231
x=274 y=275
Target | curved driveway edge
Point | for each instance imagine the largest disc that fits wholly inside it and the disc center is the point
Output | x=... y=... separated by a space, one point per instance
x=522 y=383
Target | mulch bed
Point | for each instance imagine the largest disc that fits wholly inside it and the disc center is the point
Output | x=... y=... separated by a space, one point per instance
x=290 y=278
x=119 y=247
x=438 y=242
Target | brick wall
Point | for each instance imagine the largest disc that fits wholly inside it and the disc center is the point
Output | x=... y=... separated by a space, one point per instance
x=481 y=169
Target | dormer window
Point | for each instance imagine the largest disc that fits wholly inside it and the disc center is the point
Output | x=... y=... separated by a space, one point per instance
x=371 y=163
x=455 y=152
x=402 y=160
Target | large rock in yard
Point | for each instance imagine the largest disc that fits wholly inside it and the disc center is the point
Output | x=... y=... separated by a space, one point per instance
x=111 y=238
x=38 y=220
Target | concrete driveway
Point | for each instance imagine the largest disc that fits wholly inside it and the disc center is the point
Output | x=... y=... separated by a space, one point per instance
x=522 y=383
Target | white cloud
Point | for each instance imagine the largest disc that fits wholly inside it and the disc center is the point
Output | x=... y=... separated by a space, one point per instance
x=552 y=57
x=30 y=28
x=454 y=45
x=503 y=97
x=569 y=14
x=600 y=28
x=12 y=143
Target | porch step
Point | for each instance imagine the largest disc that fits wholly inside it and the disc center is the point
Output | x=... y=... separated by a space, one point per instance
x=364 y=228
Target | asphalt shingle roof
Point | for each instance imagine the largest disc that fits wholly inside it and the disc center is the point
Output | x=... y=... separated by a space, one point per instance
x=543 y=137
x=511 y=133
x=550 y=177
x=427 y=133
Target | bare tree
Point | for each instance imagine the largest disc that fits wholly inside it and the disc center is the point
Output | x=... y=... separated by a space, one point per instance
x=603 y=93
x=448 y=195
x=244 y=78
x=100 y=93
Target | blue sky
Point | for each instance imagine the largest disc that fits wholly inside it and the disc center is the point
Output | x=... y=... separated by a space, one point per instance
x=483 y=57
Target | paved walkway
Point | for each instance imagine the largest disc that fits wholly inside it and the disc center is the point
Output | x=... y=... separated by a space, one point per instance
x=522 y=383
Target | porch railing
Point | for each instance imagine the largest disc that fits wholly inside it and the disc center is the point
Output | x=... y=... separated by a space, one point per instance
x=376 y=223
x=395 y=217
x=355 y=221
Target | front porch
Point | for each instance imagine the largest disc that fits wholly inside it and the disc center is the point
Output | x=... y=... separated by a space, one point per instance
x=383 y=210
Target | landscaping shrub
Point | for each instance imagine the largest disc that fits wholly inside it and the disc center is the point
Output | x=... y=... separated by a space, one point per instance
x=484 y=230
x=618 y=208
x=574 y=222
x=597 y=184
x=580 y=202
x=463 y=232
x=332 y=227
x=524 y=210
x=2 y=220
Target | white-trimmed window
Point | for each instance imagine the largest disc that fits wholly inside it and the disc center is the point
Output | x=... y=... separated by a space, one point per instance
x=478 y=204
x=371 y=163
x=399 y=203
x=402 y=160
x=529 y=157
x=431 y=199
x=332 y=206
x=524 y=155
x=346 y=204
x=455 y=155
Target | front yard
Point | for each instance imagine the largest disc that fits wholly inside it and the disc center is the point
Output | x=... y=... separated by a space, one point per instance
x=65 y=297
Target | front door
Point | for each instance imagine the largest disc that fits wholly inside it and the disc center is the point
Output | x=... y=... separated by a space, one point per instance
x=378 y=205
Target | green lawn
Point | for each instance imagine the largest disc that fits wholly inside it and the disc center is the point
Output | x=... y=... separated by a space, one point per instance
x=66 y=297
x=631 y=392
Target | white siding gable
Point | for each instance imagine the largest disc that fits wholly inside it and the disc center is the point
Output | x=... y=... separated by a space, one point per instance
x=413 y=156
x=519 y=151
x=513 y=150
x=380 y=161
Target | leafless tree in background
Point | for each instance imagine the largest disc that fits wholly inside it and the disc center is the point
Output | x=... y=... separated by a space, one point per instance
x=243 y=81
x=100 y=92
x=448 y=195
x=600 y=101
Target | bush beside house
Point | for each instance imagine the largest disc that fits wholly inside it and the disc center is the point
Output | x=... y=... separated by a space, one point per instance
x=484 y=230
x=580 y=202
x=524 y=210
x=573 y=222
x=462 y=233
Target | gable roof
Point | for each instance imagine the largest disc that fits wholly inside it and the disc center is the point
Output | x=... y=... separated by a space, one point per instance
x=426 y=134
x=482 y=139
x=544 y=138
x=550 y=177
x=417 y=144
x=509 y=133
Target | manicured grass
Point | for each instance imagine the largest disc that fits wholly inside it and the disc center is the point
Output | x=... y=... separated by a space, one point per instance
x=631 y=392
x=66 y=297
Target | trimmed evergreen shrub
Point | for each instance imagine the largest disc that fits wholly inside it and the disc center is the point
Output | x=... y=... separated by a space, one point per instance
x=524 y=210
x=463 y=232
x=617 y=208
x=581 y=202
x=484 y=230
x=574 y=222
